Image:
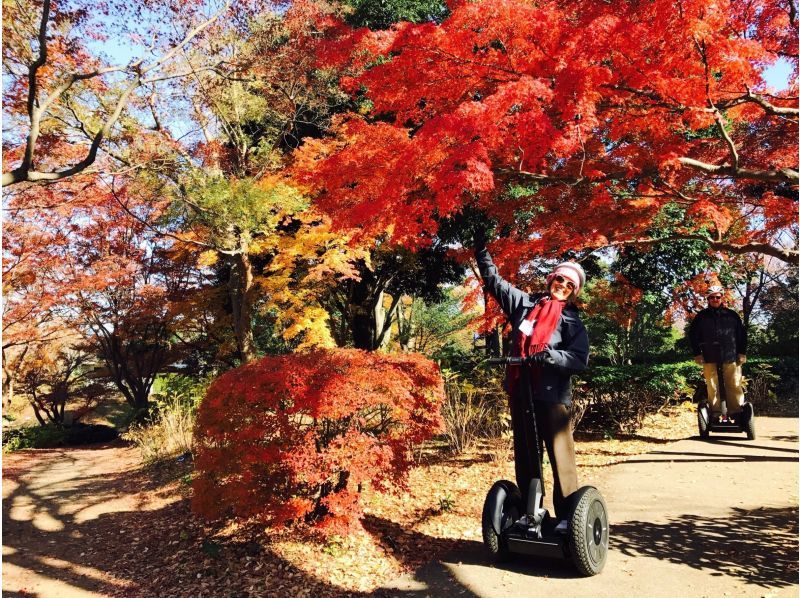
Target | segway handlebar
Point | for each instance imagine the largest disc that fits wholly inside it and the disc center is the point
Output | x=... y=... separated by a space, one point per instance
x=508 y=361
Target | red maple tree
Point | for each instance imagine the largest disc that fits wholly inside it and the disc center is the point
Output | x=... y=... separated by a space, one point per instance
x=593 y=114
x=297 y=436
x=79 y=256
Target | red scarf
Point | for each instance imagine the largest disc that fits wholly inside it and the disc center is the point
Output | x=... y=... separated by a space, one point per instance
x=545 y=315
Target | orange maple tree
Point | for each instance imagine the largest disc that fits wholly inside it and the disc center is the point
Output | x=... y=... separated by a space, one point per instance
x=76 y=260
x=297 y=436
x=600 y=113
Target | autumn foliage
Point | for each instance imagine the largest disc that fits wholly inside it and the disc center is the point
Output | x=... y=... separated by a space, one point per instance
x=298 y=436
x=604 y=112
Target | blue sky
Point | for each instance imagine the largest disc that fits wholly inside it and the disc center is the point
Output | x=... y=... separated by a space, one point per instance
x=777 y=75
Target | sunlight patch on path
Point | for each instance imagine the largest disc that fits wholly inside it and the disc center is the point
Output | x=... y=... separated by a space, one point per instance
x=119 y=505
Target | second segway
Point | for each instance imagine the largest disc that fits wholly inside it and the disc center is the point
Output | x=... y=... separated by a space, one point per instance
x=743 y=421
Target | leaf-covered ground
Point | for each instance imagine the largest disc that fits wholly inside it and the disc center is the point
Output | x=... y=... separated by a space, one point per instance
x=136 y=534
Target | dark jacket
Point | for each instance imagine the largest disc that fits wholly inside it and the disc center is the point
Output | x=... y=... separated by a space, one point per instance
x=717 y=333
x=569 y=345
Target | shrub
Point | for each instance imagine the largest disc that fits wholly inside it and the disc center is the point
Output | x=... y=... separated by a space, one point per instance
x=472 y=411
x=48 y=436
x=169 y=433
x=51 y=436
x=617 y=398
x=771 y=385
x=296 y=436
x=175 y=391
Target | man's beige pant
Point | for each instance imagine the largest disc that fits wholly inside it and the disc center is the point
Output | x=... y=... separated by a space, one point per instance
x=732 y=376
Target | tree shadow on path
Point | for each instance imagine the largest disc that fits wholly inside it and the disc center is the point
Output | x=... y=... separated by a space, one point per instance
x=432 y=575
x=129 y=550
x=693 y=457
x=789 y=438
x=749 y=445
x=759 y=546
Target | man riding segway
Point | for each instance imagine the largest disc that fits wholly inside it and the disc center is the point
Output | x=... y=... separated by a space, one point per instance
x=719 y=343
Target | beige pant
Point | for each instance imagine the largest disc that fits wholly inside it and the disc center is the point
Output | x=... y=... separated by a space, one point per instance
x=556 y=431
x=732 y=377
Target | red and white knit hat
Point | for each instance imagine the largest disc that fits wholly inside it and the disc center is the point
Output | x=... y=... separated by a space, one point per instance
x=572 y=271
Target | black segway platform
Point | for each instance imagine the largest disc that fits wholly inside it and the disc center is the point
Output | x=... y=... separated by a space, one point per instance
x=744 y=421
x=736 y=424
x=511 y=528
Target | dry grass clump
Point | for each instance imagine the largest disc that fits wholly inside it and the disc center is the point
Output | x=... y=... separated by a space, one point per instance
x=167 y=436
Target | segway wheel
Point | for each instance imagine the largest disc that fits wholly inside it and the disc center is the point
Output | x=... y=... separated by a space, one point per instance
x=588 y=529
x=501 y=509
x=703 y=424
x=749 y=421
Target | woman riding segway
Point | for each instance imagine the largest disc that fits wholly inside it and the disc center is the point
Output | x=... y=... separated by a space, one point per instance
x=551 y=340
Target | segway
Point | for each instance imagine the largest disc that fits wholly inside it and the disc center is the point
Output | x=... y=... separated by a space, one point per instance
x=741 y=422
x=511 y=528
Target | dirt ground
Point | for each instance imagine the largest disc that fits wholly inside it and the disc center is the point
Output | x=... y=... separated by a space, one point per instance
x=695 y=517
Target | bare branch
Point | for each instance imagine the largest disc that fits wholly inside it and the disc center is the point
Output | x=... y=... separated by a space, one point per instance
x=25 y=173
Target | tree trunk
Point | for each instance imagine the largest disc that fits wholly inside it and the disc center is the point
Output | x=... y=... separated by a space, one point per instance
x=240 y=288
x=379 y=317
x=37 y=413
x=366 y=305
x=750 y=298
x=384 y=319
x=8 y=388
x=9 y=367
x=405 y=327
x=363 y=328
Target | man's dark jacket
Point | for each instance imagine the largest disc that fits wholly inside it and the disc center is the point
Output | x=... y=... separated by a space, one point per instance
x=569 y=345
x=717 y=333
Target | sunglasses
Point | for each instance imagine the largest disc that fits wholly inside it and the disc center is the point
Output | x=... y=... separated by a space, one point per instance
x=561 y=280
x=714 y=297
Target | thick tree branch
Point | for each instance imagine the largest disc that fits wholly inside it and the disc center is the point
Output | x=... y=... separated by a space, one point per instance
x=775 y=175
x=789 y=256
x=659 y=100
x=33 y=89
x=21 y=174
x=761 y=101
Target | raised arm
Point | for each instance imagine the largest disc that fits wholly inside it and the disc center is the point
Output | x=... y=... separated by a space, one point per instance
x=509 y=297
